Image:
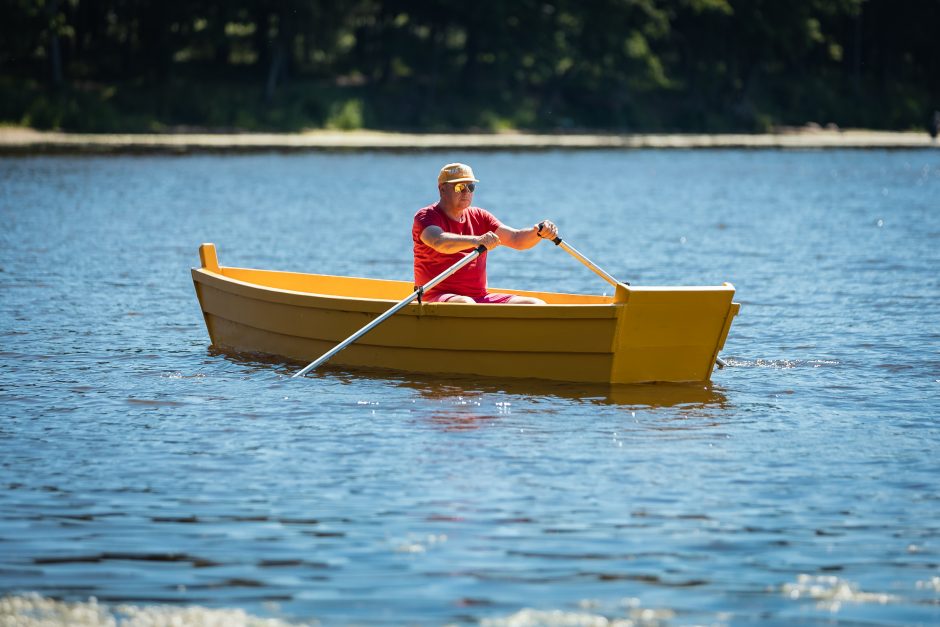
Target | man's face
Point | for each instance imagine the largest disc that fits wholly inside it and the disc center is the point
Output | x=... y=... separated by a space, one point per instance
x=458 y=194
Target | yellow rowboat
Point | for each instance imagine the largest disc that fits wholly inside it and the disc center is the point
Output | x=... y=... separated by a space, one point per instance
x=640 y=334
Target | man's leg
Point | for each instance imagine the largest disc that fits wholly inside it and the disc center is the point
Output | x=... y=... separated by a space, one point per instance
x=450 y=298
x=511 y=299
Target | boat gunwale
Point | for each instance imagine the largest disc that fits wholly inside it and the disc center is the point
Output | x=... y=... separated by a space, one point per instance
x=726 y=286
x=317 y=300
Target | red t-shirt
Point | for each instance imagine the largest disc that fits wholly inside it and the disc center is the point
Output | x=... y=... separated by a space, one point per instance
x=469 y=280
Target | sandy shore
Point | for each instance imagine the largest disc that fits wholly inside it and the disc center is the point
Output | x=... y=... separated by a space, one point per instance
x=28 y=141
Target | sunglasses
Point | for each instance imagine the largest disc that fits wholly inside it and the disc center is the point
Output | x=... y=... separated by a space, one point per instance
x=460 y=187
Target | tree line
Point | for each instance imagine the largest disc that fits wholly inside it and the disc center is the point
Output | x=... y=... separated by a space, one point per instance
x=627 y=65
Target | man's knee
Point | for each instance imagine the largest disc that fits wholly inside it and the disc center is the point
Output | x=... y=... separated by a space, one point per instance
x=526 y=300
x=460 y=299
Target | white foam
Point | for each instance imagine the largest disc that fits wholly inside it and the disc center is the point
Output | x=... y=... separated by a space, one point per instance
x=553 y=618
x=931 y=584
x=637 y=617
x=831 y=592
x=33 y=610
x=420 y=544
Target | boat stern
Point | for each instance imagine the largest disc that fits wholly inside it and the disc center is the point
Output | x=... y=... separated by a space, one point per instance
x=670 y=333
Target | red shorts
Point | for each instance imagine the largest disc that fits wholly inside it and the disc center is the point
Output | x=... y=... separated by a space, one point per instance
x=486 y=298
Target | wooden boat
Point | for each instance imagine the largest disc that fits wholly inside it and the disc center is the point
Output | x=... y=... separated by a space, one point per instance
x=640 y=334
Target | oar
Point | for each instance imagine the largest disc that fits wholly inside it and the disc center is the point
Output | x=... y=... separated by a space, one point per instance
x=388 y=314
x=605 y=275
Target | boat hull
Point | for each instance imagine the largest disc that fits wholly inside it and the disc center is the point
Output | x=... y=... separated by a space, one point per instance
x=641 y=334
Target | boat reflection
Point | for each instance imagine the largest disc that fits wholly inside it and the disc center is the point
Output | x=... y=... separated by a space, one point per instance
x=632 y=395
x=453 y=388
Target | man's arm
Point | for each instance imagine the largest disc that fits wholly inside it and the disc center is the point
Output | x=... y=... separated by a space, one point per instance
x=442 y=242
x=520 y=239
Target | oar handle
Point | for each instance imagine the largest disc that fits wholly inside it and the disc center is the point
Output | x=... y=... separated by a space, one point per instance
x=541 y=225
x=388 y=314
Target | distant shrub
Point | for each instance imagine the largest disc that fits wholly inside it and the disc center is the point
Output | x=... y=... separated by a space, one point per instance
x=346 y=115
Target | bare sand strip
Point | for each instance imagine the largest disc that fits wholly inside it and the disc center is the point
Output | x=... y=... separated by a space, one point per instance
x=28 y=141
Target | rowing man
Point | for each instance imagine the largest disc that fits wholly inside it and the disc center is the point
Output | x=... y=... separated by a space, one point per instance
x=449 y=229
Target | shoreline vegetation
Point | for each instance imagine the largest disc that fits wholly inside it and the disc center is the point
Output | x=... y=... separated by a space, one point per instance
x=27 y=141
x=525 y=74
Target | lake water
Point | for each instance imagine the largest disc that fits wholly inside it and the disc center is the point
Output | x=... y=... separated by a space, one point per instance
x=144 y=474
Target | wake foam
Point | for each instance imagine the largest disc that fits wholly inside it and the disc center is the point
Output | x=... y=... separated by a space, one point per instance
x=33 y=610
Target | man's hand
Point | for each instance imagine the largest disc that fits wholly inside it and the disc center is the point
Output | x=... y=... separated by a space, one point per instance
x=490 y=240
x=546 y=229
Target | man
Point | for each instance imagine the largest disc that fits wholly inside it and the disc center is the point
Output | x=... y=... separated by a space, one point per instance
x=445 y=231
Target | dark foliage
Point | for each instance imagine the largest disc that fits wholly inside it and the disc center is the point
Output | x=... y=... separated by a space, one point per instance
x=630 y=65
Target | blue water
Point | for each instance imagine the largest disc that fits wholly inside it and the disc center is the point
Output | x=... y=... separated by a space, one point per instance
x=138 y=465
